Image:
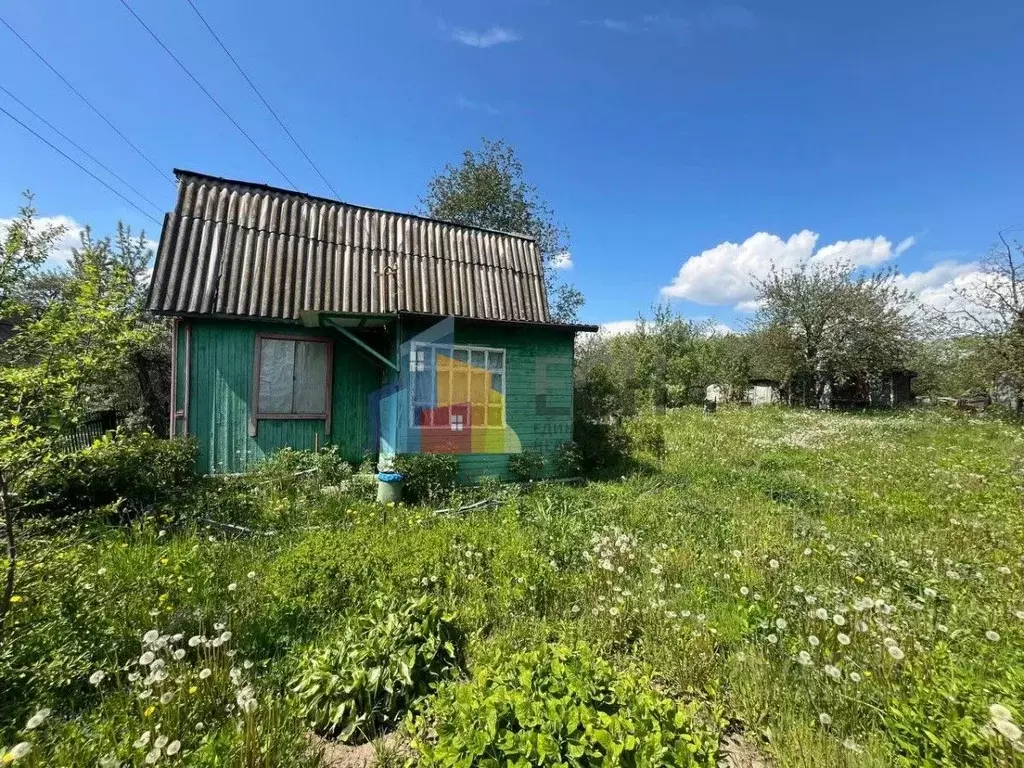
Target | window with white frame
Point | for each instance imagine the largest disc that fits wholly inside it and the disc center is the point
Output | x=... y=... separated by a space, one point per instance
x=457 y=386
x=293 y=379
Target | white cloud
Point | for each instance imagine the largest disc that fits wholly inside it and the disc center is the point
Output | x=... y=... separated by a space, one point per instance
x=617 y=327
x=939 y=286
x=724 y=274
x=561 y=260
x=476 y=106
x=63 y=245
x=486 y=39
x=720 y=329
x=905 y=245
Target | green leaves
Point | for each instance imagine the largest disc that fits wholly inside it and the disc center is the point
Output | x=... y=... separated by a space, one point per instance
x=559 y=706
x=365 y=678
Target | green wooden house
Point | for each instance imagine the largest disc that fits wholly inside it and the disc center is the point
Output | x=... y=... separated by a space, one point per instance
x=305 y=322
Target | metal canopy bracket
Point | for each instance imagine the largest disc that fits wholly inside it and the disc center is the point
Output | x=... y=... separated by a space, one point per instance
x=359 y=343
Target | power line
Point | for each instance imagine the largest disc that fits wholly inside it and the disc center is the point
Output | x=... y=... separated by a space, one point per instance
x=80 y=166
x=260 y=95
x=77 y=146
x=88 y=103
x=208 y=94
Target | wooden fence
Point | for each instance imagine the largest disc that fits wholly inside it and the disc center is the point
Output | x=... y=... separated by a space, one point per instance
x=91 y=429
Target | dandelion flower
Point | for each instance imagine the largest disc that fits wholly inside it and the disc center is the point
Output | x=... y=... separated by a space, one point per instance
x=97 y=677
x=194 y=641
x=205 y=673
x=804 y=658
x=251 y=574
x=744 y=591
x=992 y=636
x=161 y=742
x=150 y=637
x=179 y=654
x=737 y=553
x=814 y=641
x=839 y=619
x=855 y=677
x=843 y=639
x=825 y=719
x=853 y=746
x=942 y=628
x=773 y=639
x=862 y=626
x=999 y=712
x=832 y=671
x=166 y=698
x=821 y=613
x=613 y=611
x=1008 y=729
x=773 y=564
x=807 y=552
x=929 y=592
x=147 y=658
x=896 y=652
x=143 y=741
x=173 y=748
x=1004 y=570
x=152 y=756
x=232 y=587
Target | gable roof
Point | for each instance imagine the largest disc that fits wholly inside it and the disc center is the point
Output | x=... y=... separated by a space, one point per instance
x=238 y=249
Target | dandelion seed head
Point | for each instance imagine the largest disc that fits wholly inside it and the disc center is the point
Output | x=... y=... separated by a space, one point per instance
x=896 y=652
x=97 y=677
x=992 y=636
x=854 y=677
x=37 y=719
x=825 y=719
x=781 y=623
x=813 y=640
x=1008 y=729
x=999 y=712
x=147 y=658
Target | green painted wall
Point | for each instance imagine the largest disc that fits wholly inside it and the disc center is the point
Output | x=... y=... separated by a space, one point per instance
x=220 y=395
x=538 y=399
x=538 y=393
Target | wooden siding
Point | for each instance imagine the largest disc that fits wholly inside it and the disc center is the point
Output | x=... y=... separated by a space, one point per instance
x=220 y=398
x=538 y=363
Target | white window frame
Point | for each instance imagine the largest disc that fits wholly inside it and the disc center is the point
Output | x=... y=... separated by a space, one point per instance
x=469 y=349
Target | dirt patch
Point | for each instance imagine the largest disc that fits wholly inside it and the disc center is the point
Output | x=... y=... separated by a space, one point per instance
x=388 y=750
x=737 y=751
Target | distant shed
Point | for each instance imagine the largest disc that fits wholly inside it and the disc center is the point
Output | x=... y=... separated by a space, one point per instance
x=764 y=392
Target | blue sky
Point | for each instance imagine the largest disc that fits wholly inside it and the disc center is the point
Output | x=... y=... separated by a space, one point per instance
x=660 y=132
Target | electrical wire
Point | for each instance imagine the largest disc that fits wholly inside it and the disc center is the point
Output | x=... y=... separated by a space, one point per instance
x=255 y=90
x=79 y=165
x=208 y=94
x=88 y=103
x=77 y=146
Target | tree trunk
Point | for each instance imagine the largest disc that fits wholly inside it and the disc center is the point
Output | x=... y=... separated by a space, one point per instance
x=12 y=555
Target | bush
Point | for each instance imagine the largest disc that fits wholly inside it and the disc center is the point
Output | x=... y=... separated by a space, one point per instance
x=290 y=468
x=601 y=446
x=568 y=459
x=564 y=706
x=429 y=477
x=647 y=435
x=137 y=468
x=364 y=679
x=526 y=466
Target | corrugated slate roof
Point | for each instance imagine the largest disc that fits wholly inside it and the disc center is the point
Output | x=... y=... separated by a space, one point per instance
x=233 y=248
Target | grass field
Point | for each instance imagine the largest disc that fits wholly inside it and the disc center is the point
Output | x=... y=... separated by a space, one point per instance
x=830 y=589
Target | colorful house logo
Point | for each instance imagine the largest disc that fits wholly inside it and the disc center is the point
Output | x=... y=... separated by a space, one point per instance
x=448 y=398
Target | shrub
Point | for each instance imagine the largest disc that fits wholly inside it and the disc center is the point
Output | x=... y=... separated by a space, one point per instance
x=136 y=468
x=560 y=705
x=568 y=459
x=601 y=446
x=364 y=679
x=429 y=477
x=526 y=466
x=289 y=468
x=647 y=435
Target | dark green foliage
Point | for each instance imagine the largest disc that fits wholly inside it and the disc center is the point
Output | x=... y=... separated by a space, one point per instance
x=429 y=477
x=138 y=469
x=568 y=459
x=602 y=447
x=560 y=706
x=364 y=679
x=291 y=467
x=526 y=466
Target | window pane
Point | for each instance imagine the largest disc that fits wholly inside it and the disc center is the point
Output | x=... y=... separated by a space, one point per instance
x=421 y=416
x=460 y=387
x=495 y=361
x=478 y=394
x=310 y=377
x=479 y=415
x=277 y=371
x=423 y=387
x=445 y=353
x=498 y=383
x=478 y=359
x=461 y=355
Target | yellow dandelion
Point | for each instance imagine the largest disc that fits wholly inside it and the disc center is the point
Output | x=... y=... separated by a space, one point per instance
x=16 y=598
x=149 y=711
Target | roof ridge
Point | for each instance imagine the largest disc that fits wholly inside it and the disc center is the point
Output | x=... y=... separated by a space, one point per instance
x=179 y=172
